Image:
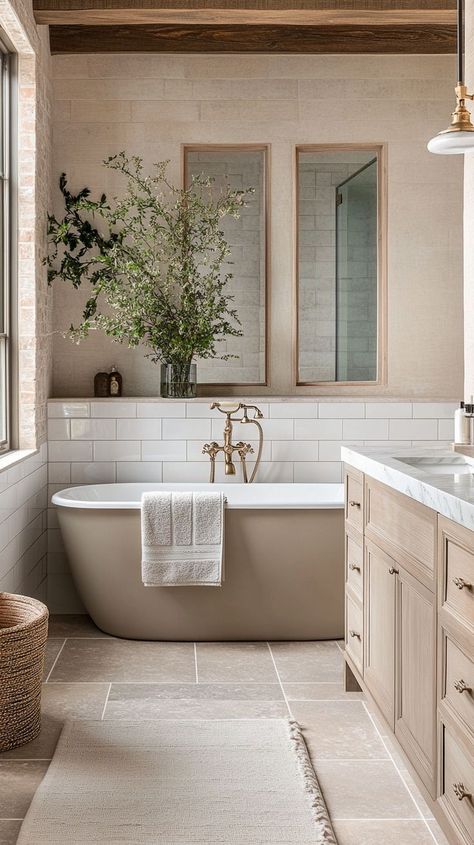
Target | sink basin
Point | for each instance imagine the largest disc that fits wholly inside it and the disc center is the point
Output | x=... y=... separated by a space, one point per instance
x=441 y=465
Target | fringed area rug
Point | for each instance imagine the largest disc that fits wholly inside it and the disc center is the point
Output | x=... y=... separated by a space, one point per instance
x=238 y=782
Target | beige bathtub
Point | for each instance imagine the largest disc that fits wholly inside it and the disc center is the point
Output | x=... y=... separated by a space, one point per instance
x=284 y=564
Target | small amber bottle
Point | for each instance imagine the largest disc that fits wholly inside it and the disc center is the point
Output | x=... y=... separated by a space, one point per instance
x=115 y=382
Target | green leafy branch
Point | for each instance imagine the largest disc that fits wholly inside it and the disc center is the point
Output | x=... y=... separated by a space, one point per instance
x=154 y=261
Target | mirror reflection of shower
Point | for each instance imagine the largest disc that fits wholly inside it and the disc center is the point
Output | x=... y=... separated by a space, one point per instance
x=338 y=235
x=356 y=275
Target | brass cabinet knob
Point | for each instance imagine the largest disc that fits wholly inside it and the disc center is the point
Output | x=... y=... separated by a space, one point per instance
x=354 y=634
x=460 y=791
x=354 y=567
x=461 y=686
x=461 y=584
x=354 y=504
x=393 y=571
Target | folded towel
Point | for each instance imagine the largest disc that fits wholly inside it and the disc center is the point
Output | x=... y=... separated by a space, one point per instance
x=182 y=539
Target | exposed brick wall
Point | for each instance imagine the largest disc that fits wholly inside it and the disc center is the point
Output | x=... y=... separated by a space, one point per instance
x=34 y=147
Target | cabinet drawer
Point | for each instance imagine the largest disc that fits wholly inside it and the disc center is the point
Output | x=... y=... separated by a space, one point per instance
x=405 y=529
x=459 y=690
x=458 y=784
x=354 y=490
x=354 y=632
x=355 y=566
x=457 y=571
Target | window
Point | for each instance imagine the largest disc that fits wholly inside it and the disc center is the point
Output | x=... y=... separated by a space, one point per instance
x=340 y=264
x=5 y=251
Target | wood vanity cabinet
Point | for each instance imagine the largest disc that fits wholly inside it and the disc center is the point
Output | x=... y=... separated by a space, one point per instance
x=410 y=637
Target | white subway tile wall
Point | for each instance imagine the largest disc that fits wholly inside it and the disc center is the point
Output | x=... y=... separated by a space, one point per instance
x=23 y=524
x=160 y=440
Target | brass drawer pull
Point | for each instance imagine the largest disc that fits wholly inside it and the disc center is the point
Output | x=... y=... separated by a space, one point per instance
x=461 y=583
x=354 y=634
x=461 y=686
x=393 y=571
x=460 y=791
x=354 y=504
x=354 y=567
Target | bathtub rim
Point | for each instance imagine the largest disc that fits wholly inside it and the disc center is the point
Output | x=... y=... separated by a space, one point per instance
x=311 y=496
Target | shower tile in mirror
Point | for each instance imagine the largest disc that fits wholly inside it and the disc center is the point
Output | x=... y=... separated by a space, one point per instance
x=239 y=167
x=339 y=264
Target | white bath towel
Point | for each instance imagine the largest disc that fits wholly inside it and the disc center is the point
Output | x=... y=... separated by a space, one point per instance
x=182 y=539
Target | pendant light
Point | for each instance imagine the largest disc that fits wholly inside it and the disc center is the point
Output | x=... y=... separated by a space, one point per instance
x=459 y=137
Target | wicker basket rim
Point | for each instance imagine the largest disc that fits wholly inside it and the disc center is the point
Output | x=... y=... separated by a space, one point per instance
x=43 y=612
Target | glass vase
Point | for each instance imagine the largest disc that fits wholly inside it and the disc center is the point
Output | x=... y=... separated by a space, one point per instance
x=178 y=381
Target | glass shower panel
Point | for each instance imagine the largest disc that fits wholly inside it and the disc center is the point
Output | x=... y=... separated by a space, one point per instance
x=356 y=275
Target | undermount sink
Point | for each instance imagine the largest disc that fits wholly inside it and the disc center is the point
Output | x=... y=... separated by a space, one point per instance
x=439 y=465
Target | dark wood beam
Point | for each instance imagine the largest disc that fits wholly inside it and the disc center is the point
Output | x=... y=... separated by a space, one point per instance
x=155 y=38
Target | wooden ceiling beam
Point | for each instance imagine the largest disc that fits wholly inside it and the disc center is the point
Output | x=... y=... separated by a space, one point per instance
x=196 y=38
x=246 y=17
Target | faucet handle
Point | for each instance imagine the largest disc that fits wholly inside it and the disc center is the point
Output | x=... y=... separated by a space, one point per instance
x=244 y=449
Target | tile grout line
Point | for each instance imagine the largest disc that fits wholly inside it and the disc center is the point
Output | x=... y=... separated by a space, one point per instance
x=196 y=662
x=400 y=773
x=106 y=702
x=279 y=680
x=55 y=661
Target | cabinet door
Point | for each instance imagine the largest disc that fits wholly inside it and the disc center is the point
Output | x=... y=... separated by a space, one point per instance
x=379 y=652
x=415 y=706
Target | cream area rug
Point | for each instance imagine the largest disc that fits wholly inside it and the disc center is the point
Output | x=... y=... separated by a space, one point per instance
x=238 y=782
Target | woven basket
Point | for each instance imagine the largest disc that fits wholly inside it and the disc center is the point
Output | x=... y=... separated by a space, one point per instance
x=23 y=633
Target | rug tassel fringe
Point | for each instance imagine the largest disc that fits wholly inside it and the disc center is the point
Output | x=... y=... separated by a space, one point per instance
x=318 y=805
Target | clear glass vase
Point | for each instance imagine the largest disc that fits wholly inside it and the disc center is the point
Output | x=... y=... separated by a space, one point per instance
x=178 y=381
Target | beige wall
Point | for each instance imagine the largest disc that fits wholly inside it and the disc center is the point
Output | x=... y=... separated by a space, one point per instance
x=34 y=149
x=151 y=104
x=469 y=222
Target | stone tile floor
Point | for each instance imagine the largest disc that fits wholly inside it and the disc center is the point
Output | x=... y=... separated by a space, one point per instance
x=89 y=675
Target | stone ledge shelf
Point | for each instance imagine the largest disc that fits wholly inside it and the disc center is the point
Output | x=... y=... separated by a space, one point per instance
x=438 y=478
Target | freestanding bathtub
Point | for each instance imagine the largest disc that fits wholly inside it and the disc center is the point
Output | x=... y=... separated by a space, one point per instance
x=284 y=564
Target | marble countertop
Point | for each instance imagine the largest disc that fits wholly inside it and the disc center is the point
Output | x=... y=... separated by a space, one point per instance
x=441 y=479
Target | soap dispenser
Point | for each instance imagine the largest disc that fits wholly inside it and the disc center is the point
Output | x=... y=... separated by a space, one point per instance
x=462 y=424
x=115 y=382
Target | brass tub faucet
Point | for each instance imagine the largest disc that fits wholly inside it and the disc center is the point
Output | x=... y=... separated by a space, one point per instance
x=229 y=448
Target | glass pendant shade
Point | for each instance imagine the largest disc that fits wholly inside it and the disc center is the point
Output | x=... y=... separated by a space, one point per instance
x=459 y=137
x=452 y=143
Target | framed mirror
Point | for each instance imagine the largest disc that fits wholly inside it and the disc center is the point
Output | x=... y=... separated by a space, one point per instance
x=340 y=264
x=240 y=166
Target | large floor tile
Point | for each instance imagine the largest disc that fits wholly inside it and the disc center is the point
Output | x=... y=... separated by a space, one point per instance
x=235 y=662
x=9 y=832
x=18 y=784
x=213 y=692
x=312 y=661
x=110 y=660
x=73 y=625
x=195 y=701
x=388 y=832
x=60 y=702
x=319 y=692
x=195 y=709
x=53 y=647
x=366 y=789
x=338 y=730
